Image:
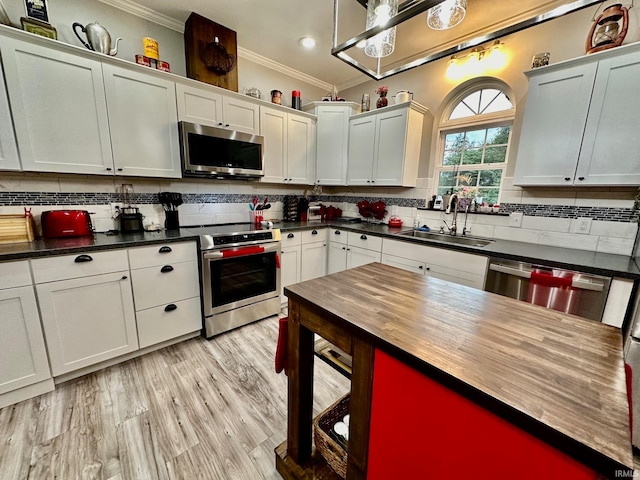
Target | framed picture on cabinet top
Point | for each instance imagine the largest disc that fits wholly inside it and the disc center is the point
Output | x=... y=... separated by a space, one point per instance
x=39 y=28
x=37 y=9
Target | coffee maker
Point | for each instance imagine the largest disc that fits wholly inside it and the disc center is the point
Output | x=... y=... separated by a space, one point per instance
x=129 y=217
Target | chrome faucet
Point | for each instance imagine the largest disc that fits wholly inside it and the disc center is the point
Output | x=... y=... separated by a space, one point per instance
x=466 y=214
x=453 y=208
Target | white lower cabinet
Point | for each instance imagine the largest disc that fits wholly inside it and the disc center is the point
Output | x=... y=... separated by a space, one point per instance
x=352 y=249
x=314 y=254
x=166 y=291
x=87 y=320
x=290 y=260
x=23 y=355
x=457 y=267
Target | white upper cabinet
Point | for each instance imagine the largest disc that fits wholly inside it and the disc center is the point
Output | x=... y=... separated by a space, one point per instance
x=9 y=159
x=580 y=124
x=384 y=146
x=197 y=105
x=289 y=147
x=59 y=109
x=204 y=106
x=143 y=122
x=332 y=140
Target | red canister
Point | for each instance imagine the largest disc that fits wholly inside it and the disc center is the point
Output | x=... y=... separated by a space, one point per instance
x=296 y=101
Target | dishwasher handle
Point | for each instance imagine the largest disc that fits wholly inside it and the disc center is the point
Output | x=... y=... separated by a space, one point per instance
x=575 y=283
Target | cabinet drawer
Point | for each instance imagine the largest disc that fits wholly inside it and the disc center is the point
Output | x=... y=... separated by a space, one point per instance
x=79 y=265
x=338 y=236
x=315 y=235
x=162 y=323
x=162 y=254
x=158 y=285
x=291 y=239
x=364 y=240
x=15 y=274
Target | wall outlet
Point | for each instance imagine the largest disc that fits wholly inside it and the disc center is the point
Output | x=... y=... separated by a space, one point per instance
x=584 y=225
x=515 y=219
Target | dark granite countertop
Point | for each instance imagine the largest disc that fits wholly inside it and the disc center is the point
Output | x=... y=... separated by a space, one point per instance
x=567 y=258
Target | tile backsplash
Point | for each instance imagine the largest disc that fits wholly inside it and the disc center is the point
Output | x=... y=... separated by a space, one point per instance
x=550 y=217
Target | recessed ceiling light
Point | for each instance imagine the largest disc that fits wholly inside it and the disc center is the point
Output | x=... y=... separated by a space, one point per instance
x=307 y=42
x=361 y=44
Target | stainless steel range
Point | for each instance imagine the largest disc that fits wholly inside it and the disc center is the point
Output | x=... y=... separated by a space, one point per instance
x=240 y=275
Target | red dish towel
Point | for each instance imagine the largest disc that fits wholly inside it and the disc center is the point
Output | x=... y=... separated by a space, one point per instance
x=628 y=374
x=553 y=291
x=282 y=347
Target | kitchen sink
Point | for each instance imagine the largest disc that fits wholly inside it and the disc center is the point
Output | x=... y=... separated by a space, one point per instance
x=446 y=238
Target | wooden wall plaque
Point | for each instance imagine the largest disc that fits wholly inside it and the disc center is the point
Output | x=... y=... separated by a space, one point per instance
x=208 y=60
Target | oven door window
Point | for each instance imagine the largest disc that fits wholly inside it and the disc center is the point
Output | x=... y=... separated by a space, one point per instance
x=240 y=278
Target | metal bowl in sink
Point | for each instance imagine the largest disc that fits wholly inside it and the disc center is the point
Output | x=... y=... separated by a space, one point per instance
x=445 y=238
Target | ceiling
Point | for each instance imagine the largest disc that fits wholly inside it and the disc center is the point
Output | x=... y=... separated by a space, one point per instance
x=272 y=29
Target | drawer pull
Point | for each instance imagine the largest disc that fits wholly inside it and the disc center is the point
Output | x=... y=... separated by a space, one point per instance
x=170 y=308
x=164 y=249
x=363 y=237
x=337 y=232
x=124 y=277
x=83 y=258
x=314 y=232
x=166 y=269
x=291 y=235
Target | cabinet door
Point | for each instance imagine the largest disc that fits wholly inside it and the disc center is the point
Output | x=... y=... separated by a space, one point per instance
x=240 y=115
x=301 y=135
x=23 y=355
x=337 y=257
x=87 y=320
x=9 y=159
x=289 y=267
x=360 y=256
x=199 y=106
x=361 y=150
x=143 y=118
x=610 y=153
x=390 y=142
x=553 y=125
x=274 y=131
x=332 y=148
x=314 y=261
x=59 y=109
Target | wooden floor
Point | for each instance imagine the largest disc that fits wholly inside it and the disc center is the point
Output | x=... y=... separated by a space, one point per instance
x=202 y=409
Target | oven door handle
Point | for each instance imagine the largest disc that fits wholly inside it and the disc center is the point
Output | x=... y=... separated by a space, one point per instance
x=583 y=284
x=237 y=252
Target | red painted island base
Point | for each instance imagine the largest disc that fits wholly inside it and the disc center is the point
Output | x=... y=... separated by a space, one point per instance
x=421 y=429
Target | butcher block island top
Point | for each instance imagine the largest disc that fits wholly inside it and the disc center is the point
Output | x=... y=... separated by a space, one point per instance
x=559 y=377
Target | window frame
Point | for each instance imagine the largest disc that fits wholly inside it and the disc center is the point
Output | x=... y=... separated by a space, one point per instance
x=482 y=121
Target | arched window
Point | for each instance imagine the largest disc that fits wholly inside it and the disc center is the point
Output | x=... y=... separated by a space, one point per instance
x=474 y=141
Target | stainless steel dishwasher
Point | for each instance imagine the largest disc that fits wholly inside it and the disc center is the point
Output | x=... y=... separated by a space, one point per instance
x=568 y=291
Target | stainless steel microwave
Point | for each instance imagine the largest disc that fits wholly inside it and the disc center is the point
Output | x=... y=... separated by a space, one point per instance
x=220 y=152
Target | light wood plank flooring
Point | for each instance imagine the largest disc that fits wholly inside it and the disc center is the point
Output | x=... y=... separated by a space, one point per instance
x=202 y=409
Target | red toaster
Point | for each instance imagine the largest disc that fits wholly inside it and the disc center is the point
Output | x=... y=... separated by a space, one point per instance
x=66 y=223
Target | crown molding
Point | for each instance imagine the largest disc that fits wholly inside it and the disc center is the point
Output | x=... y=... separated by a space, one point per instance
x=353 y=82
x=278 y=67
x=168 y=22
x=146 y=13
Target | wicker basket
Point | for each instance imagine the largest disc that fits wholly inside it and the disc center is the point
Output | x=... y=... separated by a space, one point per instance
x=334 y=453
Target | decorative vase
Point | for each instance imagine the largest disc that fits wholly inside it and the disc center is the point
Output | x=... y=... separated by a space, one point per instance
x=382 y=101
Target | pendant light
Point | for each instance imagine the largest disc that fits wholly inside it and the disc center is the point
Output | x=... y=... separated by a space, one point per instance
x=379 y=12
x=447 y=14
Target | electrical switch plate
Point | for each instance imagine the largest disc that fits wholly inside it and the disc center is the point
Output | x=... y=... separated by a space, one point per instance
x=584 y=225
x=515 y=219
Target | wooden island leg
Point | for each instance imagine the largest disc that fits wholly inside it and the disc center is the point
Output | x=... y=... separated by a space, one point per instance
x=300 y=372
